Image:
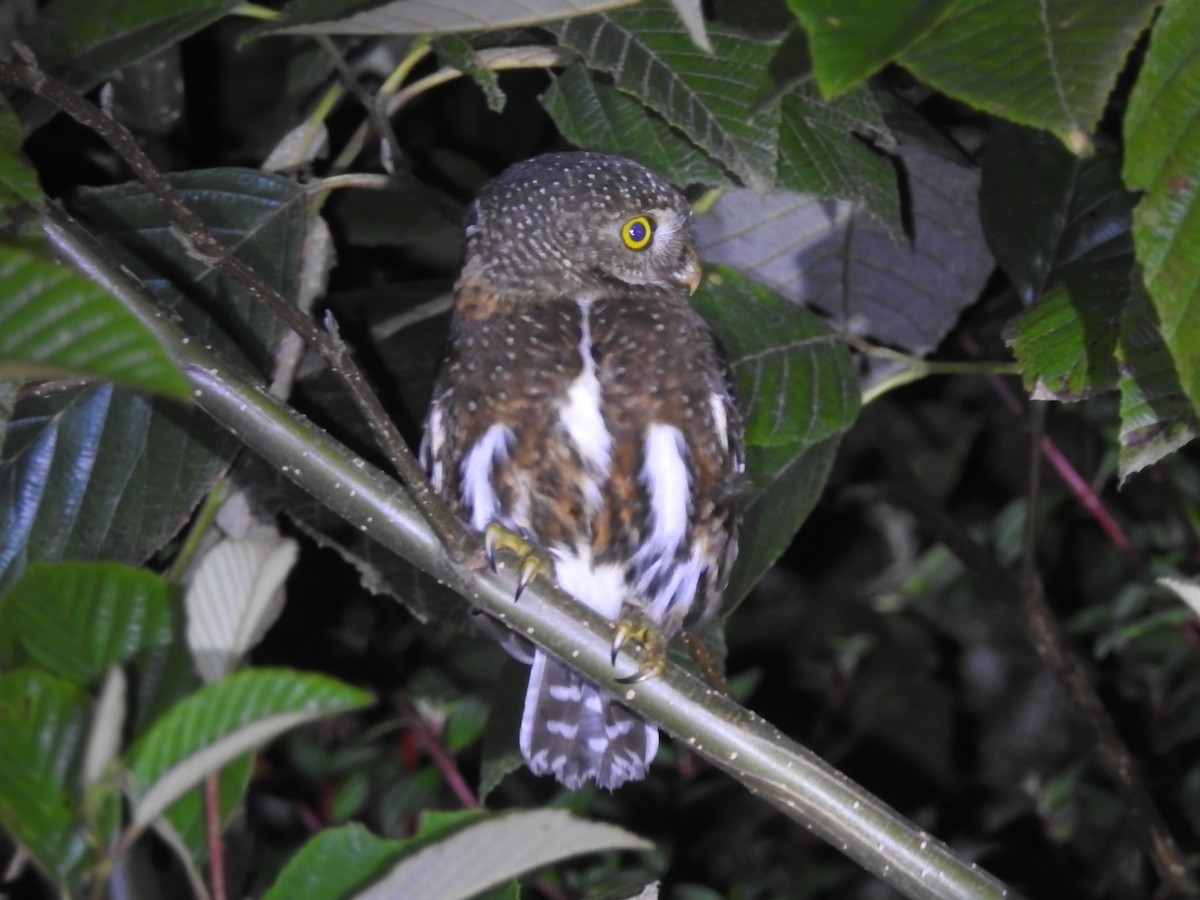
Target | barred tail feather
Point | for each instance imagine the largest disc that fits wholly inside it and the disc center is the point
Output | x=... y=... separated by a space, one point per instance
x=576 y=732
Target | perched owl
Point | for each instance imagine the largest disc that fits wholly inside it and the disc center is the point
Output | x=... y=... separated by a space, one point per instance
x=583 y=407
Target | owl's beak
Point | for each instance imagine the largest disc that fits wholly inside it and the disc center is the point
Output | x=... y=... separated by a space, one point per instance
x=690 y=271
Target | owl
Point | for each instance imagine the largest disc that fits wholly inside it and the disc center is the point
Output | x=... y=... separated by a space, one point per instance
x=583 y=407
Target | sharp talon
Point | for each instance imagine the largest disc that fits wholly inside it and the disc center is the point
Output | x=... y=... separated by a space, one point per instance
x=530 y=568
x=622 y=635
x=645 y=673
x=490 y=539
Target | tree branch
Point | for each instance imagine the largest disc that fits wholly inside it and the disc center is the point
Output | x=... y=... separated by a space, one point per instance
x=710 y=724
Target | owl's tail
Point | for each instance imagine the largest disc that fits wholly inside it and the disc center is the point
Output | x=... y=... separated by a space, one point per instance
x=576 y=732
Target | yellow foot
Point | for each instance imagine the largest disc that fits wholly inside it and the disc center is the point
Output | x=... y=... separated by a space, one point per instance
x=633 y=626
x=531 y=563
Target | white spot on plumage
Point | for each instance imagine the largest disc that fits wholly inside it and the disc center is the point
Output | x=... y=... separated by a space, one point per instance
x=432 y=443
x=666 y=477
x=720 y=418
x=581 y=415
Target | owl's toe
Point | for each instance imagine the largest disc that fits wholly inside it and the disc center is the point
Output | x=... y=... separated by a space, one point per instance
x=530 y=561
x=652 y=653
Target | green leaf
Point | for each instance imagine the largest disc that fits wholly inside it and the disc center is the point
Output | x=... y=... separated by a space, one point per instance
x=797 y=384
x=54 y=323
x=453 y=856
x=43 y=720
x=1044 y=208
x=83 y=42
x=722 y=109
x=850 y=40
x=100 y=473
x=1162 y=157
x=220 y=722
x=337 y=863
x=820 y=155
x=457 y=53
x=595 y=115
x=78 y=619
x=189 y=818
x=261 y=217
x=1066 y=344
x=1046 y=63
x=432 y=17
x=845 y=264
x=1156 y=417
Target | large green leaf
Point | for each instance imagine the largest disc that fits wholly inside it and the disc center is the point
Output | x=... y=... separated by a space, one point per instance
x=594 y=115
x=846 y=264
x=101 y=473
x=799 y=390
x=1044 y=208
x=428 y=16
x=261 y=217
x=1046 y=63
x=1162 y=157
x=220 y=722
x=43 y=720
x=77 y=619
x=724 y=109
x=820 y=154
x=54 y=322
x=852 y=39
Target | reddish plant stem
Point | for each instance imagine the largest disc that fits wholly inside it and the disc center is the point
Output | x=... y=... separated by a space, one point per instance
x=1076 y=483
x=216 y=850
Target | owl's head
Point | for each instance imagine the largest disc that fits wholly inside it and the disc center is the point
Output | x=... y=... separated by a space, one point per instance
x=572 y=222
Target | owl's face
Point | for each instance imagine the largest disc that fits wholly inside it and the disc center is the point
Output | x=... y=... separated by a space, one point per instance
x=577 y=222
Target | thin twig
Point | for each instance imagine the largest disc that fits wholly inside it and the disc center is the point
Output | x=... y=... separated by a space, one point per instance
x=1083 y=492
x=1051 y=646
x=333 y=351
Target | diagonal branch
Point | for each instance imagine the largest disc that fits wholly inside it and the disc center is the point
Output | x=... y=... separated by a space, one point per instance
x=710 y=724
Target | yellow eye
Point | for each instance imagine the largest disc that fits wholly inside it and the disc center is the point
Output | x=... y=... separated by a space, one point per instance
x=638 y=232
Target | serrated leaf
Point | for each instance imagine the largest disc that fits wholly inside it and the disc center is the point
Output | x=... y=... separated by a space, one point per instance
x=43 y=720
x=56 y=323
x=101 y=472
x=491 y=852
x=820 y=155
x=850 y=41
x=1044 y=208
x=428 y=16
x=798 y=388
x=1162 y=157
x=820 y=254
x=220 y=722
x=234 y=596
x=724 y=110
x=457 y=53
x=1156 y=418
x=78 y=619
x=596 y=116
x=83 y=42
x=1066 y=344
x=334 y=864
x=1046 y=63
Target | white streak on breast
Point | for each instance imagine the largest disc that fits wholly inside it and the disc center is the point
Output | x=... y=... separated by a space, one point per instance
x=720 y=418
x=478 y=490
x=581 y=416
x=431 y=447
